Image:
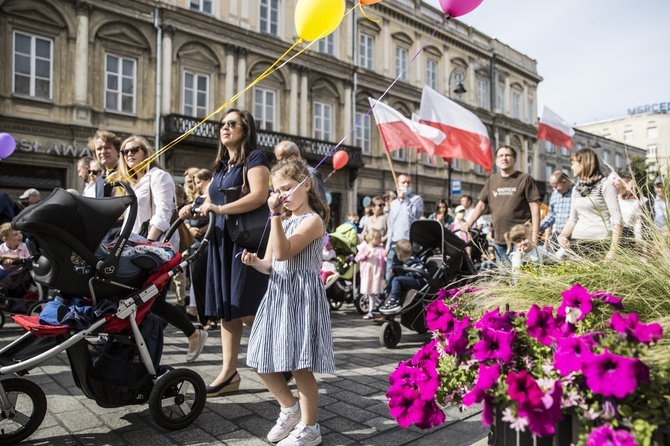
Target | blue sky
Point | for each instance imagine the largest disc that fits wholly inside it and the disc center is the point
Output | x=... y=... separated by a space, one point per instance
x=598 y=58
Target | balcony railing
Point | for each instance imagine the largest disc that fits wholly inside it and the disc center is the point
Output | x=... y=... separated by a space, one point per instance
x=313 y=150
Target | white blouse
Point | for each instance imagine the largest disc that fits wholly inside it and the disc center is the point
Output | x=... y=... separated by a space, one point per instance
x=156 y=201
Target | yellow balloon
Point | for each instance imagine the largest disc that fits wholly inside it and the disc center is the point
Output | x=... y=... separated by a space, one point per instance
x=318 y=18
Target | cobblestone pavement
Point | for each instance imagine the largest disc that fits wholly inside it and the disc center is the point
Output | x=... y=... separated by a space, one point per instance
x=352 y=405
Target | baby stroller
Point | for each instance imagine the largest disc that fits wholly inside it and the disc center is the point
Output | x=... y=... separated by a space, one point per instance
x=446 y=265
x=19 y=293
x=343 y=288
x=65 y=233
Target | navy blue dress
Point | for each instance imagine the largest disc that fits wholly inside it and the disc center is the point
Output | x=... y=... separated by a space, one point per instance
x=234 y=290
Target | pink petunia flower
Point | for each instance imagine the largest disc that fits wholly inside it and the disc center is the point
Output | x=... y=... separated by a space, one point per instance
x=608 y=299
x=486 y=378
x=610 y=375
x=439 y=316
x=542 y=418
x=570 y=353
x=427 y=381
x=495 y=344
x=403 y=374
x=426 y=354
x=456 y=342
x=577 y=298
x=605 y=435
x=523 y=389
x=406 y=407
x=541 y=324
x=432 y=416
x=634 y=329
x=495 y=321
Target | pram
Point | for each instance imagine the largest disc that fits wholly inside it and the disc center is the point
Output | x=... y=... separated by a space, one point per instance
x=64 y=236
x=343 y=288
x=19 y=293
x=446 y=265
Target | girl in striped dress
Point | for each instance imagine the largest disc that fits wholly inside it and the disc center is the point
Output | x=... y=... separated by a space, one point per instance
x=292 y=330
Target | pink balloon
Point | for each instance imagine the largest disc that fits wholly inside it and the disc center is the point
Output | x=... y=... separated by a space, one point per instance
x=340 y=159
x=457 y=8
x=7 y=145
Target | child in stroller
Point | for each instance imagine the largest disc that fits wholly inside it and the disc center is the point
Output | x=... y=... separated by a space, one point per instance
x=13 y=252
x=65 y=232
x=403 y=278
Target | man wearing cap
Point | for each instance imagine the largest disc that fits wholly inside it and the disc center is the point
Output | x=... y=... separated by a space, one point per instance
x=105 y=145
x=30 y=196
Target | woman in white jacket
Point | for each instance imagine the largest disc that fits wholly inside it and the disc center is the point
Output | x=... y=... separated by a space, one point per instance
x=595 y=222
x=156 y=202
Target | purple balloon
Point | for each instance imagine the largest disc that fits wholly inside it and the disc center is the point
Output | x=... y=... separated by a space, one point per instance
x=7 y=145
x=457 y=8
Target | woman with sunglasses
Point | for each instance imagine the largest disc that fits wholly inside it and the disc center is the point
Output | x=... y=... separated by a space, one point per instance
x=234 y=291
x=378 y=220
x=156 y=201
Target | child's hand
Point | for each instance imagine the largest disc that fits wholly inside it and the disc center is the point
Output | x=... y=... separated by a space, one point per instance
x=275 y=202
x=249 y=258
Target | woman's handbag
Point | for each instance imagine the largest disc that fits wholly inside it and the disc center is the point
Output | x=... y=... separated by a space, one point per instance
x=247 y=229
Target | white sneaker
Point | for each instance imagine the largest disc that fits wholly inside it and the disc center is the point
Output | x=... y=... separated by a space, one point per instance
x=285 y=424
x=301 y=436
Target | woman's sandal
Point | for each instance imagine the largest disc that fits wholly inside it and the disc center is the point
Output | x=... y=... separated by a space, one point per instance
x=210 y=325
x=225 y=387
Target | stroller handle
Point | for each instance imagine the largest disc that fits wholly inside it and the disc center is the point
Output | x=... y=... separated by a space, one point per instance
x=205 y=239
x=107 y=267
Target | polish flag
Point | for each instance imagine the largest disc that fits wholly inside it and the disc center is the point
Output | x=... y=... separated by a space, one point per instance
x=554 y=129
x=398 y=132
x=467 y=137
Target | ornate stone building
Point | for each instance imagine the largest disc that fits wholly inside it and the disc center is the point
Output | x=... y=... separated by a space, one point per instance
x=157 y=68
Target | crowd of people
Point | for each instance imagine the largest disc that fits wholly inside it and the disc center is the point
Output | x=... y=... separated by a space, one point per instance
x=279 y=291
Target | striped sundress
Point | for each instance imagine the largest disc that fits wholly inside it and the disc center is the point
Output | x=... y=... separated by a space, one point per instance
x=292 y=328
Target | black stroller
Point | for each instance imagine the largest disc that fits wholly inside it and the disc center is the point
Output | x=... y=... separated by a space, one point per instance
x=65 y=232
x=19 y=293
x=446 y=265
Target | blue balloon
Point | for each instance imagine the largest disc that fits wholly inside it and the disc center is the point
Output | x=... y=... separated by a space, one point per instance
x=366 y=201
x=329 y=198
x=7 y=145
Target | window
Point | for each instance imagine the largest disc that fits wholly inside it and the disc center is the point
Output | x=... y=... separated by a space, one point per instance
x=479 y=170
x=363 y=137
x=457 y=164
x=431 y=74
x=606 y=157
x=529 y=110
x=651 y=149
x=120 y=75
x=549 y=147
x=323 y=121
x=652 y=132
x=327 y=44
x=196 y=94
x=483 y=93
x=618 y=161
x=566 y=152
x=458 y=78
x=548 y=170
x=265 y=106
x=202 y=6
x=500 y=98
x=33 y=66
x=366 y=51
x=628 y=135
x=398 y=155
x=401 y=61
x=270 y=16
x=516 y=105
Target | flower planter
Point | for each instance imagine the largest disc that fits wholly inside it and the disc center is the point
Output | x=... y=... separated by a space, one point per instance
x=503 y=435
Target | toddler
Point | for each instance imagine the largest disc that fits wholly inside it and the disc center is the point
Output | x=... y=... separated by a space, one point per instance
x=401 y=281
x=372 y=268
x=12 y=251
x=525 y=250
x=329 y=265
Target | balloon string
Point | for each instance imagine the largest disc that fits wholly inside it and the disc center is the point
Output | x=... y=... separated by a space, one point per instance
x=367 y=113
x=360 y=5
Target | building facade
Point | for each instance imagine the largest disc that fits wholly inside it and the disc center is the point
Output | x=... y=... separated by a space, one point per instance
x=158 y=68
x=648 y=131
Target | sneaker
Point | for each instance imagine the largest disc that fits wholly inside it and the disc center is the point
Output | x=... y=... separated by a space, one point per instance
x=285 y=424
x=301 y=436
x=368 y=316
x=392 y=306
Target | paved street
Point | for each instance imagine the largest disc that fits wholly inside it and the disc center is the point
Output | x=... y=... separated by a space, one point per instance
x=352 y=404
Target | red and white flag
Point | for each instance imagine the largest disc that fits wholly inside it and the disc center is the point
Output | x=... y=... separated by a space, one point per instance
x=398 y=132
x=466 y=135
x=554 y=129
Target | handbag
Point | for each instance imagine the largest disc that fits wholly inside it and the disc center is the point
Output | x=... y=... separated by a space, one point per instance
x=247 y=229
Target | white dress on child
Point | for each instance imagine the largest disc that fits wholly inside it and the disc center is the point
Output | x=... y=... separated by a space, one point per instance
x=292 y=329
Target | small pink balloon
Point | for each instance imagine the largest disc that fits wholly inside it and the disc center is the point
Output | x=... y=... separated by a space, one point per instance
x=340 y=159
x=457 y=8
x=7 y=145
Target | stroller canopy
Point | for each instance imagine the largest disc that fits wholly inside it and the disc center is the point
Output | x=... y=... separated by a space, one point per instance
x=345 y=239
x=86 y=219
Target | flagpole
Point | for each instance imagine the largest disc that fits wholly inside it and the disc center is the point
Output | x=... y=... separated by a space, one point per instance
x=395 y=178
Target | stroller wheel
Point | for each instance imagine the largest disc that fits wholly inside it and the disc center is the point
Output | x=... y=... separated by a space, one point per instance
x=390 y=333
x=177 y=399
x=362 y=304
x=28 y=406
x=335 y=304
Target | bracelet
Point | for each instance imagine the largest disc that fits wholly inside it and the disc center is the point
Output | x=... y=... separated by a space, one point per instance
x=220 y=211
x=275 y=214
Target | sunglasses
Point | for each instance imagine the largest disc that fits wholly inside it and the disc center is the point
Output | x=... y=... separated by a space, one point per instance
x=231 y=124
x=379 y=205
x=94 y=172
x=132 y=150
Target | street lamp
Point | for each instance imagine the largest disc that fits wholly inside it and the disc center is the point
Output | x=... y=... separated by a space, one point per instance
x=460 y=89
